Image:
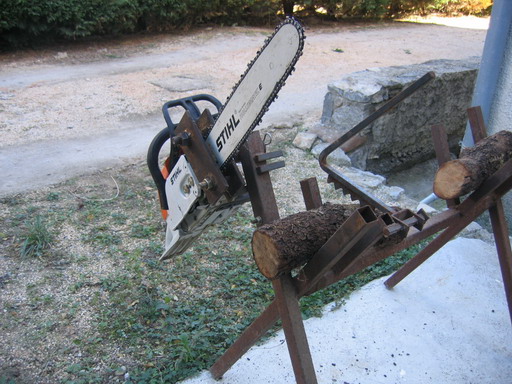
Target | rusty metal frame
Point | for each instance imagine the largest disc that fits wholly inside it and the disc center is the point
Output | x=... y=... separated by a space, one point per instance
x=358 y=244
x=340 y=181
x=486 y=197
x=191 y=142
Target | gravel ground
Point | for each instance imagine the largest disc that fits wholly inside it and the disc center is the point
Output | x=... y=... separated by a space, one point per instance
x=95 y=104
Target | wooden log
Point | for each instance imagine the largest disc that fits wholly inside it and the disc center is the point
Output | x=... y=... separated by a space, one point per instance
x=458 y=177
x=289 y=243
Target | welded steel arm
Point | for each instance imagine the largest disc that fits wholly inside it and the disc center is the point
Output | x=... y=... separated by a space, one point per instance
x=335 y=176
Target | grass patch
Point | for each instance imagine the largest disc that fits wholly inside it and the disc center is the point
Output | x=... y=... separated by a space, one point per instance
x=37 y=239
x=109 y=310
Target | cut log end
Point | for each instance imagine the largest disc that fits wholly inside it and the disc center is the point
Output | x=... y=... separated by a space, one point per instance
x=451 y=179
x=264 y=251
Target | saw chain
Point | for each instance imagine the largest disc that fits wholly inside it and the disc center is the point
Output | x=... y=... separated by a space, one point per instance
x=275 y=90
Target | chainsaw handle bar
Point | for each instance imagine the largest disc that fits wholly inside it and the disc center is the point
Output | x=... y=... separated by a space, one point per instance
x=336 y=175
x=188 y=104
x=154 y=168
x=158 y=174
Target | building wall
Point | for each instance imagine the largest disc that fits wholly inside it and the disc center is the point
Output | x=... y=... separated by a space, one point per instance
x=501 y=110
x=500 y=117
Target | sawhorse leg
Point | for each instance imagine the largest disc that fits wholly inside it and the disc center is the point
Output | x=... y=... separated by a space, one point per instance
x=286 y=303
x=296 y=340
x=246 y=340
x=286 y=307
x=500 y=230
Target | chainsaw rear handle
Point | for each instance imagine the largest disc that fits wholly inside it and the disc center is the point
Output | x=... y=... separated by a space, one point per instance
x=159 y=175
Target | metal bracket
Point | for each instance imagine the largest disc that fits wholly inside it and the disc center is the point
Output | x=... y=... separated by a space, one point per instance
x=263 y=157
x=201 y=159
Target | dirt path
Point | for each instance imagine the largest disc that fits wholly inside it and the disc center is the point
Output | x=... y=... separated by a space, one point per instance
x=64 y=113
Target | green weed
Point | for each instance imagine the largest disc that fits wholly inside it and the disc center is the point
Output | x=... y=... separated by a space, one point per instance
x=102 y=235
x=119 y=218
x=52 y=196
x=12 y=200
x=6 y=380
x=141 y=231
x=37 y=239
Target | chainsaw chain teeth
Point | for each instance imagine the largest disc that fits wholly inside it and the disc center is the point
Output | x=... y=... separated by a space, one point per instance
x=277 y=87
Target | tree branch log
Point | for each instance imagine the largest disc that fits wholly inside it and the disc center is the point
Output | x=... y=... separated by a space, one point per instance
x=459 y=177
x=289 y=243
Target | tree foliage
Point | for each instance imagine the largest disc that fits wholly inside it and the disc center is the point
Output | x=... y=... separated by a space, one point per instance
x=26 y=22
x=23 y=21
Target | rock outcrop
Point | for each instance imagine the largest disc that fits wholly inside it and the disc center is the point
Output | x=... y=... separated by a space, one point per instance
x=400 y=138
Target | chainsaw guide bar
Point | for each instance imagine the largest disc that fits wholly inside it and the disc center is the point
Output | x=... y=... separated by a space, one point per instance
x=257 y=89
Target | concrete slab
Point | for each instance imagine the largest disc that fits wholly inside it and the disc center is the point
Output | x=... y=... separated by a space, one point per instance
x=447 y=322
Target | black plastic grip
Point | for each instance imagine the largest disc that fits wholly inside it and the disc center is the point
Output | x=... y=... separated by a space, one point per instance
x=153 y=166
x=188 y=104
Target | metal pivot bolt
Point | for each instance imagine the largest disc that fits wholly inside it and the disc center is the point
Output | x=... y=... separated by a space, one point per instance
x=187 y=187
x=183 y=139
x=207 y=184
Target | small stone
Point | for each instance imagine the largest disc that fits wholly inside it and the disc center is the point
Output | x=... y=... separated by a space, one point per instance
x=476 y=231
x=337 y=157
x=395 y=192
x=282 y=124
x=6 y=96
x=120 y=371
x=304 y=140
x=61 y=55
x=473 y=227
x=364 y=178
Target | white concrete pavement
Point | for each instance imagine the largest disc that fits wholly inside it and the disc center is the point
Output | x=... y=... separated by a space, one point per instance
x=447 y=322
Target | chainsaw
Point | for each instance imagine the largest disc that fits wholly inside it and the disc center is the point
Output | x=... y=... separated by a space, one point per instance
x=199 y=184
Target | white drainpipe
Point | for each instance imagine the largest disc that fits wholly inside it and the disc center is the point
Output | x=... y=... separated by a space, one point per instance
x=491 y=66
x=492 y=63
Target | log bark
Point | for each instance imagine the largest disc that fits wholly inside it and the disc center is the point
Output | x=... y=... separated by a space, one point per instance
x=289 y=243
x=459 y=177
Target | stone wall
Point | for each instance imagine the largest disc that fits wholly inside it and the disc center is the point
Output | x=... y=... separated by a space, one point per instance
x=400 y=138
